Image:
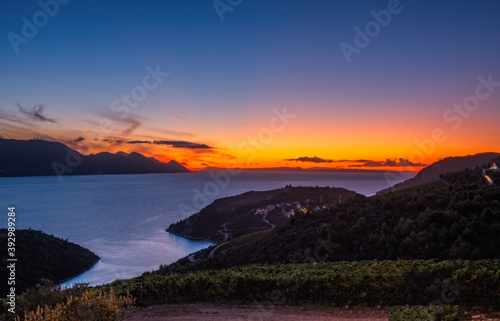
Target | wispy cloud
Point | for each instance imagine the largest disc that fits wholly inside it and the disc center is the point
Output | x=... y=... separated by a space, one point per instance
x=173 y=133
x=133 y=125
x=79 y=139
x=10 y=117
x=36 y=113
x=114 y=124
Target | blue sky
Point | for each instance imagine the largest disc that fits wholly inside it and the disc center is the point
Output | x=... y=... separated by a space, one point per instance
x=226 y=76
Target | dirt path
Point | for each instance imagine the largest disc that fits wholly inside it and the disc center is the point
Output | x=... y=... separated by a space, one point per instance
x=213 y=312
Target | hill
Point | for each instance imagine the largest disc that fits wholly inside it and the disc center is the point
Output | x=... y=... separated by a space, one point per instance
x=42 y=256
x=459 y=221
x=446 y=165
x=44 y=158
x=249 y=212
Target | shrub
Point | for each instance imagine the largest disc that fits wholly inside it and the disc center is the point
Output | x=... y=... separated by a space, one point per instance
x=80 y=303
x=424 y=313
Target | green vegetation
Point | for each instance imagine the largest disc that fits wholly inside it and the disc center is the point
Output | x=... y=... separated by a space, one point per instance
x=48 y=302
x=424 y=250
x=44 y=256
x=237 y=213
x=367 y=283
x=435 y=221
x=425 y=313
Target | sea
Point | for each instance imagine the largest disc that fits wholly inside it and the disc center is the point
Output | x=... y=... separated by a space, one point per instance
x=123 y=218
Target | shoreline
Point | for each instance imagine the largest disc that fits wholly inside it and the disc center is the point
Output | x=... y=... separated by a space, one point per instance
x=83 y=271
x=191 y=238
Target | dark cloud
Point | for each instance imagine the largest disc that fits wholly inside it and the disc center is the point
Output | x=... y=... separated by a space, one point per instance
x=204 y=164
x=310 y=159
x=401 y=162
x=79 y=139
x=36 y=113
x=173 y=143
x=182 y=144
x=394 y=162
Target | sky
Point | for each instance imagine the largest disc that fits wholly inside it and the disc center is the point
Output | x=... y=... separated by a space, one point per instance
x=255 y=83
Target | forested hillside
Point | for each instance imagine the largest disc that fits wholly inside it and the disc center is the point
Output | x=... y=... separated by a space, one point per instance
x=41 y=256
x=234 y=216
x=459 y=221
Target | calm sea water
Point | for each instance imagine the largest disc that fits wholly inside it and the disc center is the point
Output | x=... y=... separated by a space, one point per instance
x=122 y=218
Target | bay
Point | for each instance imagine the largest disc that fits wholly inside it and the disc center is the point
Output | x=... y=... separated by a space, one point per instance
x=122 y=218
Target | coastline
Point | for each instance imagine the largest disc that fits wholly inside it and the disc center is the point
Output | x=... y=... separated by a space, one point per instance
x=81 y=272
x=192 y=238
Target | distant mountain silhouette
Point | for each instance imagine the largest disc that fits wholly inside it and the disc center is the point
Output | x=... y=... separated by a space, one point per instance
x=446 y=165
x=44 y=158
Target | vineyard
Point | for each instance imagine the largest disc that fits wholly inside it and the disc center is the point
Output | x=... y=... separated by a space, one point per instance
x=365 y=283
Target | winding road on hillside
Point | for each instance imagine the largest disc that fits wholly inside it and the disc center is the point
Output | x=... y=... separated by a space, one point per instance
x=226 y=235
x=264 y=218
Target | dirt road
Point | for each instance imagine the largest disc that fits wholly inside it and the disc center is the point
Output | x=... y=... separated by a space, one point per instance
x=213 y=312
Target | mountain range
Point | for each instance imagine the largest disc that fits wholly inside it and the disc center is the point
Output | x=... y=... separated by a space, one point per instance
x=43 y=158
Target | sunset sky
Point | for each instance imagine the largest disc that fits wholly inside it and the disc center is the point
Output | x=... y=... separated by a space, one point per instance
x=256 y=83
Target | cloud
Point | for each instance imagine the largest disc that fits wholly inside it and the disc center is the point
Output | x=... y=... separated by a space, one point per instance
x=182 y=144
x=117 y=124
x=401 y=162
x=310 y=159
x=173 y=143
x=36 y=113
x=204 y=164
x=138 y=142
x=174 y=133
x=79 y=139
x=390 y=162
x=134 y=124
x=10 y=117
